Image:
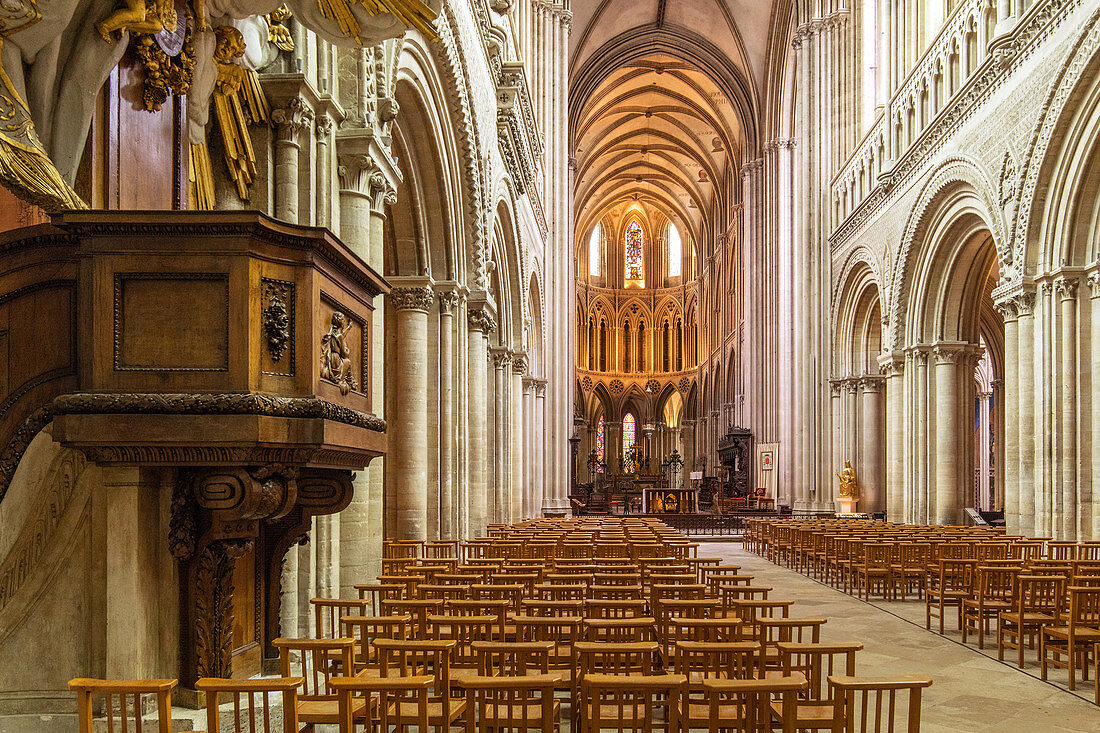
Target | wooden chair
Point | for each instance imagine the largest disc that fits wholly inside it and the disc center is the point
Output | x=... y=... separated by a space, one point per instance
x=409 y=659
x=746 y=705
x=1036 y=602
x=872 y=705
x=375 y=593
x=816 y=709
x=642 y=703
x=127 y=692
x=254 y=718
x=910 y=568
x=771 y=632
x=398 y=702
x=512 y=658
x=465 y=631
x=594 y=608
x=1073 y=639
x=312 y=661
x=512 y=703
x=876 y=566
x=701 y=661
x=620 y=630
x=418 y=610
x=952 y=583
x=994 y=594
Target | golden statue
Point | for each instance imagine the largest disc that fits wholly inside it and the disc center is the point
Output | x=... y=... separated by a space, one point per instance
x=848 y=487
x=146 y=16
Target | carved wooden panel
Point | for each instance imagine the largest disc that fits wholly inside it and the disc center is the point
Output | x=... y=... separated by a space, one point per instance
x=356 y=339
x=277 y=319
x=149 y=335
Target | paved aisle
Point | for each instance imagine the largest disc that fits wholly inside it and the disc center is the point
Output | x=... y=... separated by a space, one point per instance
x=970 y=691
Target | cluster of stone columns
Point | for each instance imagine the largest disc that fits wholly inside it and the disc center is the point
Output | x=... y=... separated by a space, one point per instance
x=1052 y=349
x=858 y=436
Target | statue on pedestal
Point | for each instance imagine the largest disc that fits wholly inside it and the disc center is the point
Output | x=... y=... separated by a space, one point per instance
x=849 y=489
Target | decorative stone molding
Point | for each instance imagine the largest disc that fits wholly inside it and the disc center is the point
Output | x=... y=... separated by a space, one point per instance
x=412 y=298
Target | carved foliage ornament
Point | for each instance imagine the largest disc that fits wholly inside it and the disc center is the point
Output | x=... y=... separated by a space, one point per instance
x=416 y=298
x=278 y=317
x=213 y=609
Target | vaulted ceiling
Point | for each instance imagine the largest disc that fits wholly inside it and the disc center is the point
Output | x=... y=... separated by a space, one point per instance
x=663 y=99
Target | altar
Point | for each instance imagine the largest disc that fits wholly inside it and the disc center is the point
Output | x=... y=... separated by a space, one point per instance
x=669 y=501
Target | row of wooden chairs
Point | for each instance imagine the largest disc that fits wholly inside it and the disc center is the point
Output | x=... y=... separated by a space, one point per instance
x=1038 y=593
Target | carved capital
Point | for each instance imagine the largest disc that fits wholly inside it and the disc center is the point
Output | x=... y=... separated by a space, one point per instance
x=1025 y=303
x=870 y=383
x=1093 y=283
x=1066 y=288
x=412 y=299
x=291 y=118
x=946 y=354
x=323 y=128
x=519 y=363
x=449 y=300
x=1007 y=309
x=891 y=365
x=501 y=358
x=481 y=320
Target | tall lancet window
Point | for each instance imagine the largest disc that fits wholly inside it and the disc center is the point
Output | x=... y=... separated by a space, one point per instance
x=594 y=251
x=634 y=255
x=600 y=439
x=628 y=442
x=675 y=251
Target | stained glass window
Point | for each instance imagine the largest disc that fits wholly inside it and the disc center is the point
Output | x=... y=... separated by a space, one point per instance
x=635 y=253
x=599 y=439
x=675 y=251
x=628 y=443
x=594 y=251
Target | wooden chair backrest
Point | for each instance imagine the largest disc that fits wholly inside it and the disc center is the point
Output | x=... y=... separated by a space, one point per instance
x=1089 y=551
x=464 y=631
x=872 y=704
x=443 y=592
x=598 y=608
x=956 y=574
x=316 y=662
x=655 y=700
x=562 y=632
x=996 y=582
x=253 y=717
x=620 y=630
x=327 y=613
x=512 y=702
x=699 y=660
x=773 y=631
x=538 y=607
x=375 y=593
x=635 y=658
x=1039 y=593
x=366 y=629
x=817 y=662
x=512 y=658
x=746 y=706
x=1084 y=607
x=615 y=592
x=418 y=609
x=410 y=691
x=128 y=694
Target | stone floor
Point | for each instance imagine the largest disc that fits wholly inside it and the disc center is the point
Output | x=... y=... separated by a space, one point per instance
x=971 y=690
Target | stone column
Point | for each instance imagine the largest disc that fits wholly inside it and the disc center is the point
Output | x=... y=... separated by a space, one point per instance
x=836 y=392
x=544 y=492
x=1067 y=294
x=1094 y=390
x=1009 y=438
x=499 y=509
x=532 y=503
x=364 y=196
x=948 y=437
x=290 y=120
x=481 y=324
x=982 y=448
x=997 y=427
x=925 y=501
x=892 y=366
x=323 y=130
x=449 y=299
x=874 y=444
x=411 y=300
x=1025 y=401
x=519 y=369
